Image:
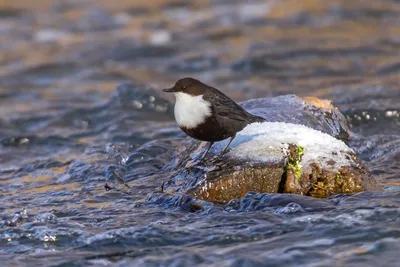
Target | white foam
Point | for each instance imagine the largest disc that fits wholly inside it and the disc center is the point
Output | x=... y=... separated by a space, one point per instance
x=160 y=38
x=268 y=141
x=49 y=35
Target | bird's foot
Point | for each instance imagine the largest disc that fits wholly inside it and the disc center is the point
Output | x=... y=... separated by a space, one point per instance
x=214 y=158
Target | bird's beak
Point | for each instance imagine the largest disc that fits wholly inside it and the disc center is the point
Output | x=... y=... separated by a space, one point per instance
x=168 y=90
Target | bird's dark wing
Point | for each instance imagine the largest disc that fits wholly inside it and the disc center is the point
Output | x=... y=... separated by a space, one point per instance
x=223 y=106
x=230 y=116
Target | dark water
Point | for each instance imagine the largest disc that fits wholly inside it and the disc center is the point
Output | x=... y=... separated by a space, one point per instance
x=66 y=130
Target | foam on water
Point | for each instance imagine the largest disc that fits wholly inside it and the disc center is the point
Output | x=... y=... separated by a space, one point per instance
x=268 y=141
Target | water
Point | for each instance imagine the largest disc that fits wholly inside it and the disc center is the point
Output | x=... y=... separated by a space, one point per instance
x=66 y=131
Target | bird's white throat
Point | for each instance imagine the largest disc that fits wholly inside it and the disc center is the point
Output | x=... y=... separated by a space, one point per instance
x=190 y=111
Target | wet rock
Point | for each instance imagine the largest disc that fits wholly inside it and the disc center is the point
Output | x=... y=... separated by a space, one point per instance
x=276 y=157
x=230 y=183
x=322 y=181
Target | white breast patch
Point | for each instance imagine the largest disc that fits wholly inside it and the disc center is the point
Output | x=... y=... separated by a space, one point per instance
x=191 y=111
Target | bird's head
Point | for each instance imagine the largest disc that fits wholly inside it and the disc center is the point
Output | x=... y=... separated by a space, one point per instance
x=188 y=86
x=190 y=108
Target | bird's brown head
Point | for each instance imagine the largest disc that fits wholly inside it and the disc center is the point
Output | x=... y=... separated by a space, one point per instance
x=189 y=86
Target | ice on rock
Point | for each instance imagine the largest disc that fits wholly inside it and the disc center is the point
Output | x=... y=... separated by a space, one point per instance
x=268 y=142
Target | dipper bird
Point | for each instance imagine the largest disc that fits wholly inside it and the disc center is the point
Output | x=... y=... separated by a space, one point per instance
x=207 y=114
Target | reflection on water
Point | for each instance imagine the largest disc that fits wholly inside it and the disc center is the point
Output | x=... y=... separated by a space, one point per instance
x=67 y=130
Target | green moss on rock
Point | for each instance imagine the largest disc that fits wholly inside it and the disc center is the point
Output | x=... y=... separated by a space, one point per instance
x=294 y=160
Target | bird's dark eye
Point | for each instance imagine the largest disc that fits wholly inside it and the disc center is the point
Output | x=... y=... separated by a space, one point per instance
x=184 y=87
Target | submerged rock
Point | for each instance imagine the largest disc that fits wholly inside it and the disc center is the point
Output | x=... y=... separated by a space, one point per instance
x=276 y=157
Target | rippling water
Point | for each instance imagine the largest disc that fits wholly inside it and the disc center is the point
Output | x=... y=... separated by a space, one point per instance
x=68 y=132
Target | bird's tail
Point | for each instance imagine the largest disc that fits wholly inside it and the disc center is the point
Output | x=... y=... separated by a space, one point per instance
x=254 y=118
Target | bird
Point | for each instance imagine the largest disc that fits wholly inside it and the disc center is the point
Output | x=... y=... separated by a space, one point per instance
x=205 y=113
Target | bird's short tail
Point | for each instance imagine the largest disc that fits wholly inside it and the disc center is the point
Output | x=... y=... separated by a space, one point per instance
x=254 y=118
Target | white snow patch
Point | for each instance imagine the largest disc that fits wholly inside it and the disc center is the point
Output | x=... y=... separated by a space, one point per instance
x=268 y=141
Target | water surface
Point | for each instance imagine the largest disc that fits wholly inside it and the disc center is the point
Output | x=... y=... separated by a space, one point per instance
x=70 y=124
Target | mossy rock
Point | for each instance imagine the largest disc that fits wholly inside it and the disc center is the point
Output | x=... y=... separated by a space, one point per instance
x=273 y=157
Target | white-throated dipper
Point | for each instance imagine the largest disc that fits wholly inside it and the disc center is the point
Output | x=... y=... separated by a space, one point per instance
x=206 y=114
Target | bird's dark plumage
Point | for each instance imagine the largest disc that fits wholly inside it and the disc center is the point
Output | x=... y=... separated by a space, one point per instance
x=226 y=118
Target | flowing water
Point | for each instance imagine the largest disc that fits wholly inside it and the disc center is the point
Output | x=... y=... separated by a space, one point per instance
x=68 y=133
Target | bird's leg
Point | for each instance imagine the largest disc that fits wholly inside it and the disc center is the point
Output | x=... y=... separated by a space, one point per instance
x=208 y=149
x=229 y=142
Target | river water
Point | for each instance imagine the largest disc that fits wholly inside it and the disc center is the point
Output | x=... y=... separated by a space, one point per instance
x=67 y=131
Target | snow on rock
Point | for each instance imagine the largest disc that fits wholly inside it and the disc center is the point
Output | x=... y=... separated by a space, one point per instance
x=268 y=142
x=313 y=112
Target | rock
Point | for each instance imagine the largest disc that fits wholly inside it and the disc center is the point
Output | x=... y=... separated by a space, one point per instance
x=313 y=112
x=275 y=157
